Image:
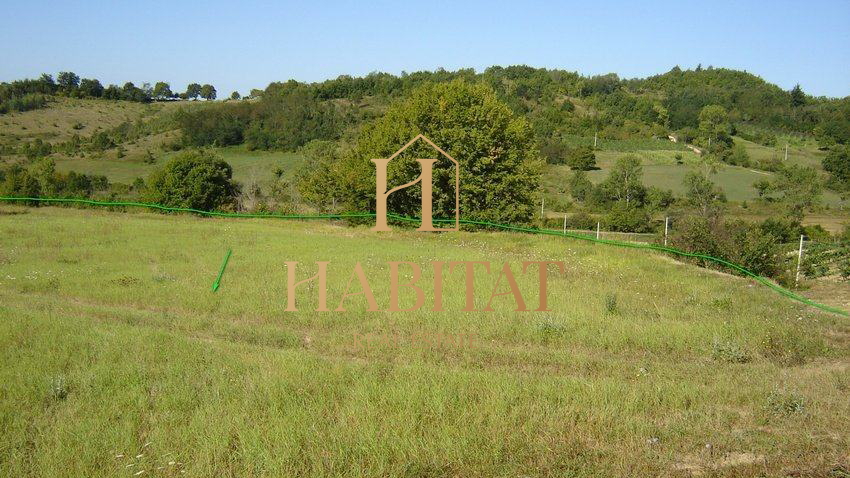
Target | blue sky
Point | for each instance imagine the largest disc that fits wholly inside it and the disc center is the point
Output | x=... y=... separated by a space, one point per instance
x=243 y=45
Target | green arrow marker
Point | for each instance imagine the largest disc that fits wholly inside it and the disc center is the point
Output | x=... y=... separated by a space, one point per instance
x=221 y=271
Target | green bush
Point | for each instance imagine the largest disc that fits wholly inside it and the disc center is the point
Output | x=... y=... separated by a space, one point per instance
x=581 y=158
x=193 y=179
x=18 y=182
x=582 y=220
x=844 y=269
x=756 y=250
x=625 y=218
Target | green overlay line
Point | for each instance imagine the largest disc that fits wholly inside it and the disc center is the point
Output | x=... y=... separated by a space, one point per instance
x=221 y=271
x=762 y=280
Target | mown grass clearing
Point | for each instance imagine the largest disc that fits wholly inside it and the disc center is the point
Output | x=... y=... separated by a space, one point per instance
x=113 y=344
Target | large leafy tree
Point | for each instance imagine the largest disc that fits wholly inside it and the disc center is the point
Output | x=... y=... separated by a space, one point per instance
x=499 y=165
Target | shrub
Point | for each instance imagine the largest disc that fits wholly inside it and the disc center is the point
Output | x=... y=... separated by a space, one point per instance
x=582 y=220
x=625 y=218
x=18 y=182
x=581 y=158
x=739 y=156
x=757 y=250
x=698 y=235
x=844 y=268
x=729 y=351
x=611 y=303
x=554 y=151
x=785 y=230
x=193 y=179
x=789 y=346
x=783 y=403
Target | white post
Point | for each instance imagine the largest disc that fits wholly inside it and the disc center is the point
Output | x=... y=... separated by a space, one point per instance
x=786 y=151
x=542 y=202
x=334 y=205
x=565 y=224
x=799 y=261
x=597 y=230
x=666 y=228
x=594 y=140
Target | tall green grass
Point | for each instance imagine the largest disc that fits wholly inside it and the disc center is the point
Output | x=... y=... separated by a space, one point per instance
x=117 y=358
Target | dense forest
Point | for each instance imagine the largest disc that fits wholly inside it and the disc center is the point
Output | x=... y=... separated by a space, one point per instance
x=610 y=107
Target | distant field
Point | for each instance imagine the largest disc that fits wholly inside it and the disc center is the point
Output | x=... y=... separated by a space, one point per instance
x=660 y=170
x=118 y=359
x=247 y=165
x=803 y=155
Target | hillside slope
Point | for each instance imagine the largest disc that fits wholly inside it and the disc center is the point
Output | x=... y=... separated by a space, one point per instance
x=113 y=345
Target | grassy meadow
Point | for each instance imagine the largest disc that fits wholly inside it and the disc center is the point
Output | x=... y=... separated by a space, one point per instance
x=118 y=359
x=248 y=166
x=661 y=170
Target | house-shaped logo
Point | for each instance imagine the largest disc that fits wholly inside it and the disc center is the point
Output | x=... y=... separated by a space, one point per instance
x=425 y=179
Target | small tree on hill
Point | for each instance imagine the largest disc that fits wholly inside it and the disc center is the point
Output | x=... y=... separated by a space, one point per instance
x=837 y=164
x=798 y=98
x=67 y=80
x=193 y=91
x=208 y=92
x=704 y=196
x=800 y=189
x=714 y=123
x=624 y=181
x=162 y=90
x=580 y=186
x=235 y=95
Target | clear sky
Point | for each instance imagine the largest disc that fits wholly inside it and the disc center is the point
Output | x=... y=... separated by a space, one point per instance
x=246 y=44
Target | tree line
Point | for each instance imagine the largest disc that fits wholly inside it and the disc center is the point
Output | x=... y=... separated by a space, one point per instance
x=29 y=94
